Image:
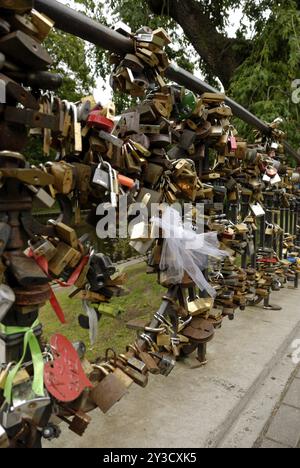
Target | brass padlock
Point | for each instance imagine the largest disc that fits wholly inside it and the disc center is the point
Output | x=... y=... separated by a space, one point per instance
x=64 y=257
x=109 y=391
x=43 y=24
x=200 y=306
x=66 y=234
x=64 y=177
x=269 y=230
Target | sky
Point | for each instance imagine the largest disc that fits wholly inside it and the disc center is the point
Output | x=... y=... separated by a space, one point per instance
x=104 y=95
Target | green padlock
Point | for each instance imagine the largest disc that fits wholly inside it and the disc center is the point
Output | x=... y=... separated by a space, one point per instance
x=188 y=105
x=110 y=310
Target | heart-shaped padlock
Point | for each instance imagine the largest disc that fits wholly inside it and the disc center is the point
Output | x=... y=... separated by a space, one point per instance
x=64 y=377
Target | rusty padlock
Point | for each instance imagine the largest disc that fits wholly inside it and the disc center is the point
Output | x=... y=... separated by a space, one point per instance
x=109 y=391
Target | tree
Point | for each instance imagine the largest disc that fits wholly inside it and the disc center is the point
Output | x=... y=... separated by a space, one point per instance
x=256 y=67
x=71 y=59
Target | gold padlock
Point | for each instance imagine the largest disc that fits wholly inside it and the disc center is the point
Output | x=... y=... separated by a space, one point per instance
x=43 y=24
x=66 y=234
x=200 y=306
x=64 y=177
x=63 y=258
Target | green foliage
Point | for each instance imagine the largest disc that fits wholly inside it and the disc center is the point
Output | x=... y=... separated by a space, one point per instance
x=71 y=59
x=263 y=83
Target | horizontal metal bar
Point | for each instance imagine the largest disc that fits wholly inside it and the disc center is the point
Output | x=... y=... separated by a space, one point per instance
x=82 y=26
x=78 y=24
x=184 y=78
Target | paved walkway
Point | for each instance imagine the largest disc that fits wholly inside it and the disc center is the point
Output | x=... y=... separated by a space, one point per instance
x=227 y=403
x=283 y=428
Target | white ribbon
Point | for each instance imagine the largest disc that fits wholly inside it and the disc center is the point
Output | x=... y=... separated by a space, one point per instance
x=185 y=251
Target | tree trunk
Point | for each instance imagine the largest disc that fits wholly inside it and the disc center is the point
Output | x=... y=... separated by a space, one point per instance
x=222 y=54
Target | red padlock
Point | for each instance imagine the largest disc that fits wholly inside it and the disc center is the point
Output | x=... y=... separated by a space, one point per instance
x=96 y=120
x=64 y=377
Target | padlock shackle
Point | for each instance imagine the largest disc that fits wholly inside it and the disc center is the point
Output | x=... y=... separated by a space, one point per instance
x=80 y=25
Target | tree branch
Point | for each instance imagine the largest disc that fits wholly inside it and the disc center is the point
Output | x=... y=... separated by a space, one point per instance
x=222 y=54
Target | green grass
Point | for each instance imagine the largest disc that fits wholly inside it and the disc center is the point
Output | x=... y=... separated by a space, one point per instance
x=143 y=300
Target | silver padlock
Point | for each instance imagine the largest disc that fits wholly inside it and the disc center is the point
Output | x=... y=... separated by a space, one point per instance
x=101 y=177
x=111 y=139
x=44 y=248
x=42 y=196
x=114 y=186
x=7 y=299
x=106 y=177
x=84 y=110
x=25 y=405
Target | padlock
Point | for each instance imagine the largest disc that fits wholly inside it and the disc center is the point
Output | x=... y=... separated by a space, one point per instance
x=82 y=279
x=148 y=360
x=30 y=118
x=43 y=24
x=132 y=167
x=166 y=363
x=65 y=256
x=7 y=299
x=187 y=139
x=213 y=97
x=129 y=124
x=269 y=230
x=115 y=141
x=83 y=177
x=163 y=339
x=25 y=406
x=25 y=50
x=26 y=271
x=65 y=233
x=42 y=196
x=135 y=363
x=76 y=130
x=106 y=177
x=80 y=423
x=4 y=371
x=18 y=93
x=152 y=174
x=43 y=248
x=23 y=23
x=96 y=120
x=109 y=391
x=137 y=377
x=66 y=118
x=216 y=131
x=124 y=378
x=63 y=174
x=101 y=176
x=199 y=306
